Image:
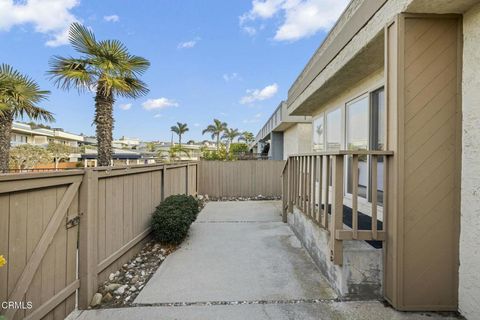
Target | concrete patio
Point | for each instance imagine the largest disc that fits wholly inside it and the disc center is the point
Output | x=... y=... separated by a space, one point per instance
x=241 y=262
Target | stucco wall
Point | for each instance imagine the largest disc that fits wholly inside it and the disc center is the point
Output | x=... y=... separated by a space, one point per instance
x=469 y=276
x=370 y=83
x=297 y=139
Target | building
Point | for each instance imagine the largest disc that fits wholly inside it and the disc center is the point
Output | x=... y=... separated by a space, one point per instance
x=283 y=134
x=126 y=143
x=23 y=133
x=400 y=78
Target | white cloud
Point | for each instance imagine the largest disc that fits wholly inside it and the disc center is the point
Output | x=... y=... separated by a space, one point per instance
x=188 y=44
x=260 y=94
x=254 y=119
x=251 y=31
x=299 y=18
x=231 y=76
x=111 y=18
x=158 y=115
x=52 y=17
x=160 y=103
x=125 y=106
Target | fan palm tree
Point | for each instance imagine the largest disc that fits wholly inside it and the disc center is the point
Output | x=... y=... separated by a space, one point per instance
x=216 y=129
x=19 y=96
x=247 y=136
x=179 y=129
x=106 y=67
x=230 y=135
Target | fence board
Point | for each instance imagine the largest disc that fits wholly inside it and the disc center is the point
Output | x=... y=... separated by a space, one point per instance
x=246 y=178
x=115 y=207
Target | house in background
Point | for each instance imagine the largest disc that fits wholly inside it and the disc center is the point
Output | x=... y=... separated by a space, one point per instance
x=23 y=133
x=283 y=134
x=401 y=79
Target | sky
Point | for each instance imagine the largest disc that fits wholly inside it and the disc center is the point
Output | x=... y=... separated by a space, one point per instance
x=232 y=60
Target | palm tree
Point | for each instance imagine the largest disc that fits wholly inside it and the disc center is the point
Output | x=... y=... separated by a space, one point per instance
x=216 y=129
x=179 y=129
x=230 y=135
x=107 y=68
x=19 y=96
x=247 y=136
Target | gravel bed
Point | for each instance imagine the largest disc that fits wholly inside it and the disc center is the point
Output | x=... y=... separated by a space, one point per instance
x=123 y=286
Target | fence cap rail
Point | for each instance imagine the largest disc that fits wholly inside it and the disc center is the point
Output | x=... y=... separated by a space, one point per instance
x=136 y=166
x=4 y=177
x=344 y=153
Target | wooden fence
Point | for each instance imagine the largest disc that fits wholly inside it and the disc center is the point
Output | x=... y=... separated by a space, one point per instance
x=245 y=178
x=103 y=213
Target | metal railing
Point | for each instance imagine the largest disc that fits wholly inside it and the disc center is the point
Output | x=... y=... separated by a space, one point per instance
x=315 y=184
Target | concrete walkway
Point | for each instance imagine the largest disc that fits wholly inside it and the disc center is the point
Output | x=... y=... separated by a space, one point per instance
x=241 y=262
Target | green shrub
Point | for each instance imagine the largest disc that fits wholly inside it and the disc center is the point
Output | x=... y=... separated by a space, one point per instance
x=187 y=204
x=173 y=217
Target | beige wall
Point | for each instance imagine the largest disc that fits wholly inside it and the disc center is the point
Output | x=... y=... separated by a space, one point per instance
x=469 y=277
x=370 y=83
x=297 y=139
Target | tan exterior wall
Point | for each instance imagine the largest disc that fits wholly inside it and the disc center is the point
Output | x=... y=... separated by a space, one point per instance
x=297 y=139
x=370 y=83
x=469 y=277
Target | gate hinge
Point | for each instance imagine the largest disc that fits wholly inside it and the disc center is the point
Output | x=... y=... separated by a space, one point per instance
x=73 y=222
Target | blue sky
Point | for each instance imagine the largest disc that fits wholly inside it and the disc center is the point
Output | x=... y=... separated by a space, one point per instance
x=232 y=60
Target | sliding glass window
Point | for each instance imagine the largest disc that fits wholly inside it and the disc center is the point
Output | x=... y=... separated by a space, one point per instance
x=357 y=132
x=318 y=134
x=334 y=129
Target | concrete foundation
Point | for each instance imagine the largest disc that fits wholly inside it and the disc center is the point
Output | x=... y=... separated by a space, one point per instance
x=361 y=275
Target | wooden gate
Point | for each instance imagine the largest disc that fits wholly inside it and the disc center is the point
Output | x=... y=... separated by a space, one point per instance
x=38 y=235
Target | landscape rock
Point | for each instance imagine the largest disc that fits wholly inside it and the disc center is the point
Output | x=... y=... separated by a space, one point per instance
x=107 y=298
x=96 y=300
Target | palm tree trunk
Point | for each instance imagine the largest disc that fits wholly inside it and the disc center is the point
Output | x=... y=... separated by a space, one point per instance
x=218 y=142
x=6 y=121
x=180 y=140
x=104 y=123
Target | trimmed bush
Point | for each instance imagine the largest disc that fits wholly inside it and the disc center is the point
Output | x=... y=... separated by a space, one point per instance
x=173 y=217
x=188 y=204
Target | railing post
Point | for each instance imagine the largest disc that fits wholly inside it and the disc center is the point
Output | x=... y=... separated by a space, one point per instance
x=88 y=237
x=336 y=246
x=290 y=185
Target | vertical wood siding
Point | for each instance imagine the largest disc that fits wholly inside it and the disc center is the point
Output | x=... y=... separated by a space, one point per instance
x=121 y=201
x=246 y=178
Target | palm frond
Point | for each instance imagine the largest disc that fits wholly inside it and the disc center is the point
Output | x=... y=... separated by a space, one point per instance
x=19 y=95
x=129 y=87
x=83 y=39
x=70 y=73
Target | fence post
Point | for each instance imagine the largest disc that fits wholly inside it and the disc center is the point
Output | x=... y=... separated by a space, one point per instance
x=187 y=180
x=88 y=237
x=336 y=246
x=197 y=179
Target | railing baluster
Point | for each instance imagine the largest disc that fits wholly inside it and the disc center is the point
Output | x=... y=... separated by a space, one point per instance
x=374 y=196
x=327 y=191
x=304 y=182
x=309 y=194
x=385 y=193
x=355 y=196
x=337 y=209
x=320 y=188
x=314 y=189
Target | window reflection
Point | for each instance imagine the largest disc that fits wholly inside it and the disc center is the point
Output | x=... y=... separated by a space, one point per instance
x=318 y=134
x=357 y=139
x=334 y=130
